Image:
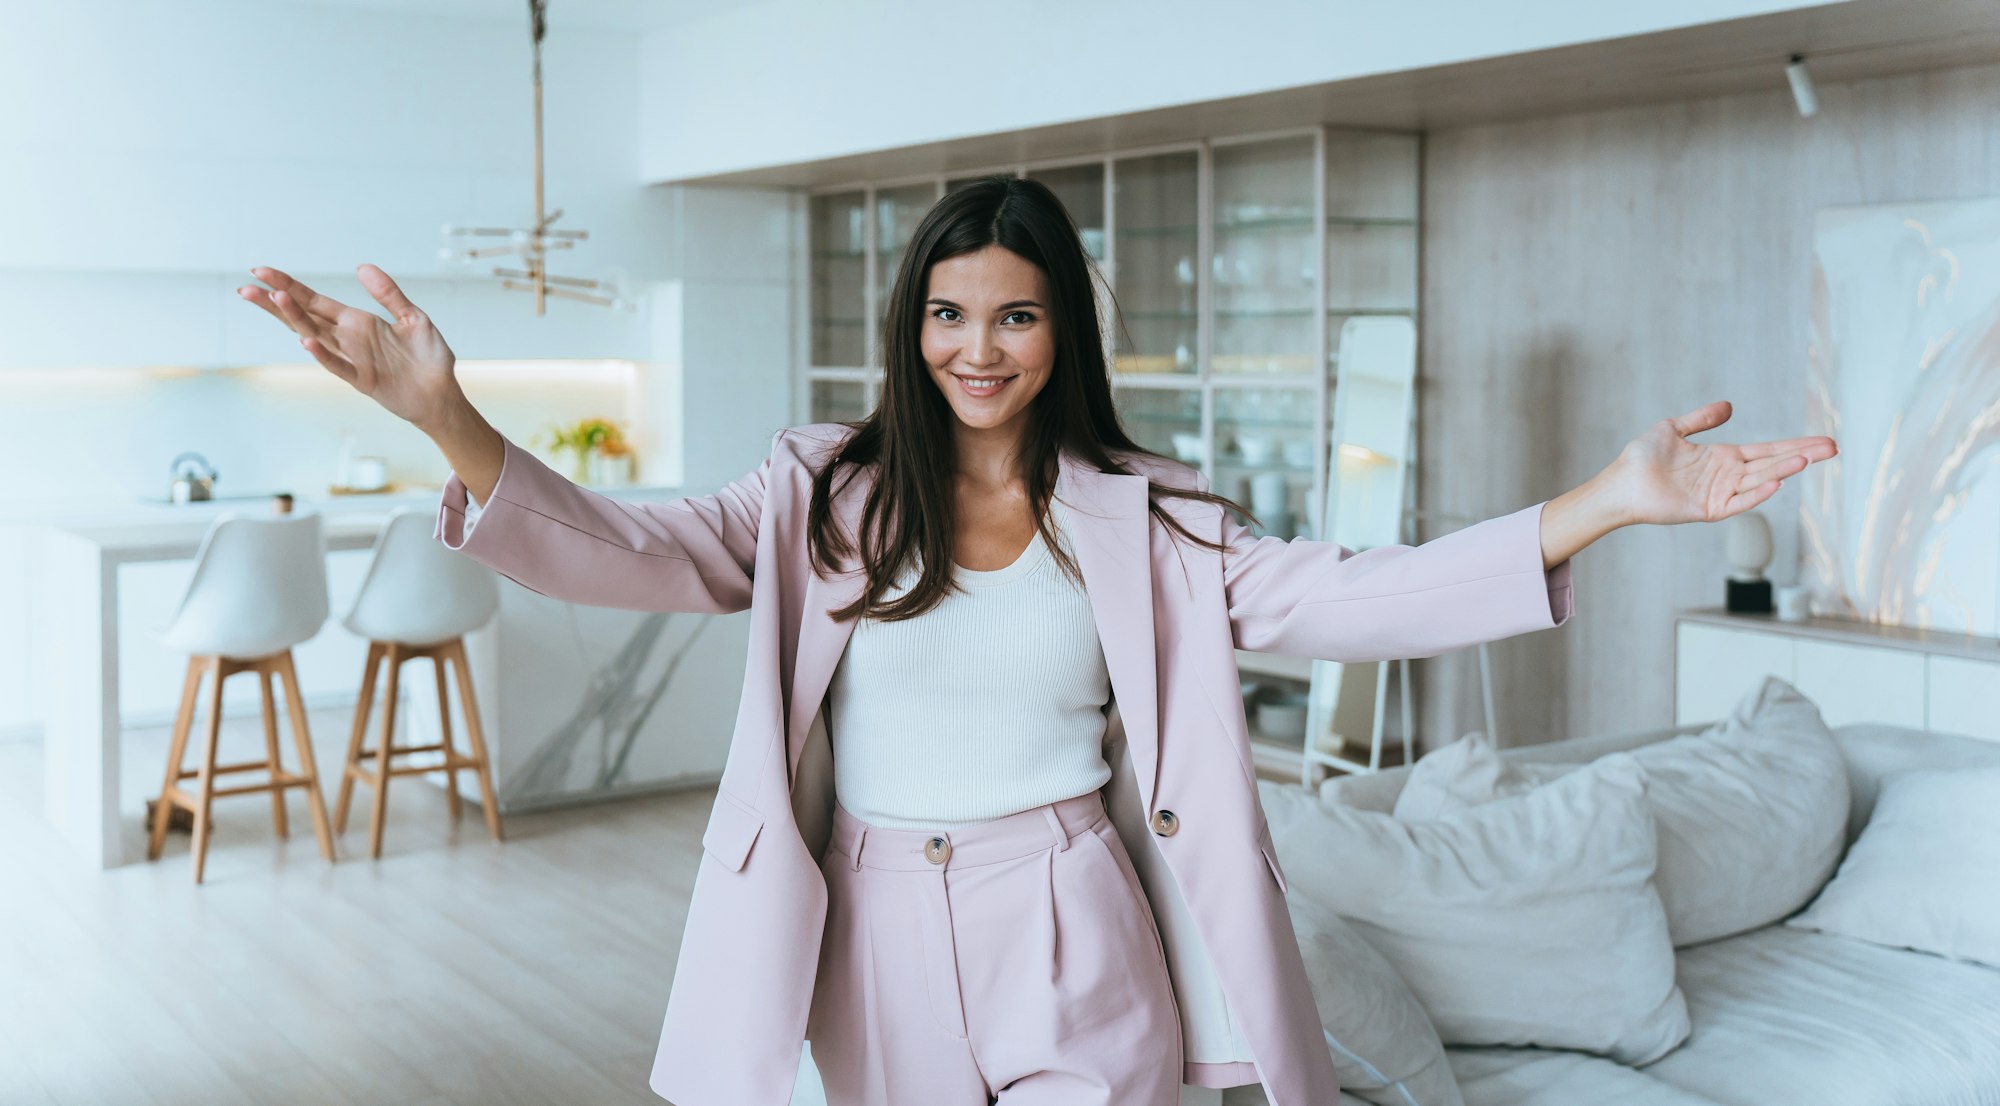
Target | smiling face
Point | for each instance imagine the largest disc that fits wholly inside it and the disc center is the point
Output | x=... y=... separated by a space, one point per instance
x=987 y=337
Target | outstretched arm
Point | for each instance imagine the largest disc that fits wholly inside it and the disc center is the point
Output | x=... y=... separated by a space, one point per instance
x=1661 y=477
x=538 y=529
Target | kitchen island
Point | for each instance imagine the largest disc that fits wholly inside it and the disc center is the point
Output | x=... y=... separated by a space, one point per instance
x=578 y=703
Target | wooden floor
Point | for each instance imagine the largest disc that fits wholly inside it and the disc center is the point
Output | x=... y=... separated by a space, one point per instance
x=452 y=970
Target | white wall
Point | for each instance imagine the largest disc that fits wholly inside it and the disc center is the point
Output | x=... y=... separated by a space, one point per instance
x=176 y=145
x=210 y=136
x=824 y=80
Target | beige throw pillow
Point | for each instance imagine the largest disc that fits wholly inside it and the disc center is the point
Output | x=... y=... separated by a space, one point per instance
x=1752 y=812
x=1528 y=921
x=1925 y=874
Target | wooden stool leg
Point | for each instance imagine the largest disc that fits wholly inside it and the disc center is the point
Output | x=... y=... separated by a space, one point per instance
x=302 y=737
x=278 y=820
x=205 y=779
x=444 y=738
x=362 y=707
x=477 y=735
x=382 y=758
x=176 y=749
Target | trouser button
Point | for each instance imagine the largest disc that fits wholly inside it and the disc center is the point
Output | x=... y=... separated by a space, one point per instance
x=937 y=850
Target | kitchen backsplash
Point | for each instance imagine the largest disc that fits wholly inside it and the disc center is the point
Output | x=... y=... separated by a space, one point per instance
x=110 y=434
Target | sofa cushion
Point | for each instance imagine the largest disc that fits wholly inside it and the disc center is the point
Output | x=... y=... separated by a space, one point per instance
x=1925 y=874
x=1530 y=921
x=1875 y=751
x=1541 y=1077
x=1752 y=812
x=1787 y=1015
x=1383 y=1046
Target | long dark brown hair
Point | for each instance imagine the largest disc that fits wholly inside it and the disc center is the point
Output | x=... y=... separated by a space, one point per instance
x=909 y=436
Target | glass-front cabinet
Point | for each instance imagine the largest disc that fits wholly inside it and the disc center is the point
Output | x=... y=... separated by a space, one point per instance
x=1233 y=263
x=1155 y=255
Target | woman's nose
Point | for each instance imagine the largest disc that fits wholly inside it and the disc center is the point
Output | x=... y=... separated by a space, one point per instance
x=980 y=349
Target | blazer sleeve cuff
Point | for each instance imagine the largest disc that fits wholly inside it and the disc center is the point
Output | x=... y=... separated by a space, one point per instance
x=458 y=512
x=1555 y=579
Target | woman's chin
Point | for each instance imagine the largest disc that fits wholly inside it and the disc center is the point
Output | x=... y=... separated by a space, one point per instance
x=980 y=416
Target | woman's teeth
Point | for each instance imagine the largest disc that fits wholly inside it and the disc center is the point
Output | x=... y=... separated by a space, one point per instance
x=983 y=385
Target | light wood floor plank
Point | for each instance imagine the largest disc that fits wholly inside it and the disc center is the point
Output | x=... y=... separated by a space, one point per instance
x=453 y=970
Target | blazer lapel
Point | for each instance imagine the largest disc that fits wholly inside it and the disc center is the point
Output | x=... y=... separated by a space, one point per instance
x=1109 y=538
x=1109 y=527
x=821 y=639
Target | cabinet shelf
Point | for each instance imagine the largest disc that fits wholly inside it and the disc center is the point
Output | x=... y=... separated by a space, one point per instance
x=1264 y=226
x=1223 y=313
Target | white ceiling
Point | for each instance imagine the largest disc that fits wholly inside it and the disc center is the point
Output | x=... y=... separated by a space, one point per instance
x=602 y=15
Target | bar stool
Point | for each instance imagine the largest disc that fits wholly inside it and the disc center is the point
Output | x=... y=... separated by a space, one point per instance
x=259 y=588
x=419 y=599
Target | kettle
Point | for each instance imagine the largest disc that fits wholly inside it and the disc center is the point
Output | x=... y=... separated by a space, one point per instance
x=190 y=486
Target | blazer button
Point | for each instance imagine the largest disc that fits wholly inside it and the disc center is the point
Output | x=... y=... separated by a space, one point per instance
x=937 y=850
x=1164 y=823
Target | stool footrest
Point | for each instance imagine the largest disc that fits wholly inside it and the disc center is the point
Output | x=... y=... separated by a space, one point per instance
x=399 y=750
x=454 y=761
x=278 y=781
x=244 y=766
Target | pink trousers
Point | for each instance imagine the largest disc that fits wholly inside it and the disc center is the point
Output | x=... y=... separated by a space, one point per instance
x=1014 y=961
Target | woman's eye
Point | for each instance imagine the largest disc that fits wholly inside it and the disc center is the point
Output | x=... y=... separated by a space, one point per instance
x=1025 y=316
x=941 y=312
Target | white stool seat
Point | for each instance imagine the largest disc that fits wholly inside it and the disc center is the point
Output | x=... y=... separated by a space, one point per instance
x=259 y=588
x=417 y=591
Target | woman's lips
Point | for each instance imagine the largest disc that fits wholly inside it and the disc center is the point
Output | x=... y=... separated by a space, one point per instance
x=978 y=391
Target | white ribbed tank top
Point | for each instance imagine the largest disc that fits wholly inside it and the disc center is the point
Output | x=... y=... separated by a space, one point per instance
x=988 y=704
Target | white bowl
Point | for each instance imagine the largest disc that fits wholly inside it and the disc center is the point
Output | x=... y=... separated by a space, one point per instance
x=1282 y=719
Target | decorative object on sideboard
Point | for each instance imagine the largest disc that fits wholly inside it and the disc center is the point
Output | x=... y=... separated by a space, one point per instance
x=1794 y=603
x=534 y=243
x=1747 y=542
x=189 y=485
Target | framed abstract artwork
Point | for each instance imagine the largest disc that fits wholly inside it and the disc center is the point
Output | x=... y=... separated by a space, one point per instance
x=1903 y=527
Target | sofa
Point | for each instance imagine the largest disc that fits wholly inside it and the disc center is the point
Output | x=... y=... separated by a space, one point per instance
x=1774 y=1015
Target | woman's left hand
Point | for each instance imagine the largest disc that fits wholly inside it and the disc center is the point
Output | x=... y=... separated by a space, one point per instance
x=1661 y=477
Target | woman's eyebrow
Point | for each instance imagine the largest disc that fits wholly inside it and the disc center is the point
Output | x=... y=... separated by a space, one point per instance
x=1002 y=307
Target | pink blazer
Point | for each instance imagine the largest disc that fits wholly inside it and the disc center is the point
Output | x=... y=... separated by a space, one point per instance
x=1169 y=615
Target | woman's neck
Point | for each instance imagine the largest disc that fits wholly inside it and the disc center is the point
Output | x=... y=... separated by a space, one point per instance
x=989 y=458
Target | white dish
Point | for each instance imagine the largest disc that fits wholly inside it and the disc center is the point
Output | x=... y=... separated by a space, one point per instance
x=1282 y=719
x=1257 y=449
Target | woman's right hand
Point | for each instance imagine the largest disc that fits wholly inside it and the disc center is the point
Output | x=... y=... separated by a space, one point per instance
x=403 y=365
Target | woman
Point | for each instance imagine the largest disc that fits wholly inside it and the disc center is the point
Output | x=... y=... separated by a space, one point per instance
x=1000 y=837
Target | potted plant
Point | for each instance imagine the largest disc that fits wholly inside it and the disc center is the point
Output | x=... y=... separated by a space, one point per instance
x=597 y=448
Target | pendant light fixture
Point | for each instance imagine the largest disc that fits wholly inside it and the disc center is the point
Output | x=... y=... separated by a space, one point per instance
x=533 y=244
